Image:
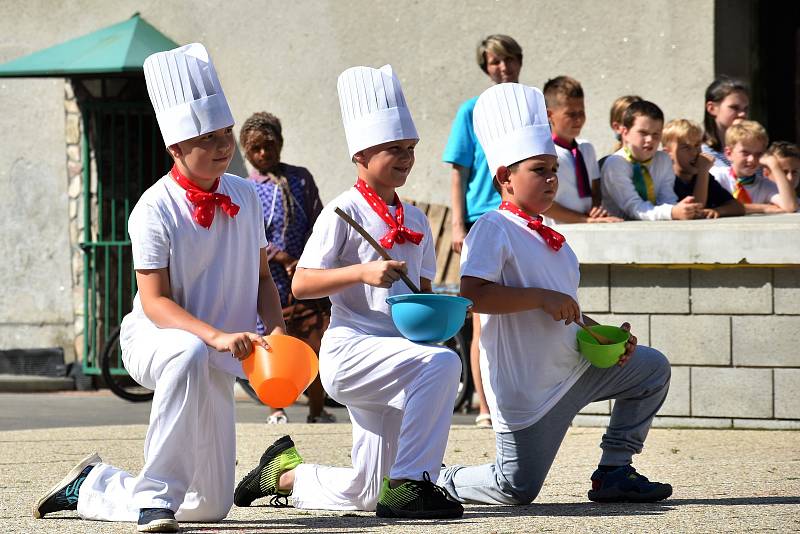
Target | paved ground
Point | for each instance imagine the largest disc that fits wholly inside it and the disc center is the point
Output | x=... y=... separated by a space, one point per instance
x=725 y=481
x=22 y=411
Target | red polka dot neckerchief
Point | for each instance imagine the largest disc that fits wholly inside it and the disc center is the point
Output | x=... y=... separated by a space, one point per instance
x=204 y=202
x=398 y=232
x=553 y=239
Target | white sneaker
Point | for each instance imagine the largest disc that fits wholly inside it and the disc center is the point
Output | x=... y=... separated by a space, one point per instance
x=278 y=418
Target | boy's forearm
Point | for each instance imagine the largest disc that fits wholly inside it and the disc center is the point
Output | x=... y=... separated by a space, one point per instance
x=488 y=297
x=787 y=199
x=458 y=177
x=269 y=304
x=561 y=214
x=318 y=283
x=731 y=208
x=166 y=313
x=597 y=194
x=700 y=192
x=761 y=208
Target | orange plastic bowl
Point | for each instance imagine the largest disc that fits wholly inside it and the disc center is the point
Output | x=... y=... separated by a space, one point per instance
x=281 y=374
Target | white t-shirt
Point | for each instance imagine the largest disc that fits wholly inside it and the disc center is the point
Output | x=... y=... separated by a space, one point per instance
x=620 y=197
x=761 y=191
x=213 y=273
x=528 y=360
x=567 y=194
x=334 y=243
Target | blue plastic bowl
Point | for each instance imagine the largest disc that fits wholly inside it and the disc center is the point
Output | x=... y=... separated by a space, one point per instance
x=428 y=317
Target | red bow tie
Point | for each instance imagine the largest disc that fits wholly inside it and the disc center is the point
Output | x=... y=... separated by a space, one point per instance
x=397 y=233
x=204 y=202
x=553 y=239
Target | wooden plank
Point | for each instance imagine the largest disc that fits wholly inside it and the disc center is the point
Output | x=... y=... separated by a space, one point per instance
x=424 y=206
x=444 y=252
x=436 y=215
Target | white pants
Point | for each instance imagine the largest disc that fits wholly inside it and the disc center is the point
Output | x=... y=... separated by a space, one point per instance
x=190 y=448
x=400 y=397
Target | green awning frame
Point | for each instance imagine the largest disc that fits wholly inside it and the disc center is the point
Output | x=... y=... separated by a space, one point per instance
x=118 y=49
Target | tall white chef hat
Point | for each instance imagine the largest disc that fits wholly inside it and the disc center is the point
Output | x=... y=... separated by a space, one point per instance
x=510 y=121
x=374 y=110
x=186 y=93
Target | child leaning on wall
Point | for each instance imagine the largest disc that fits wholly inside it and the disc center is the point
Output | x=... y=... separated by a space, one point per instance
x=578 y=199
x=682 y=139
x=638 y=180
x=745 y=146
x=788 y=159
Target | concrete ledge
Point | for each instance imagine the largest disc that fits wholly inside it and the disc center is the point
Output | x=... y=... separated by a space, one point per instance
x=33 y=383
x=692 y=422
x=750 y=240
x=768 y=424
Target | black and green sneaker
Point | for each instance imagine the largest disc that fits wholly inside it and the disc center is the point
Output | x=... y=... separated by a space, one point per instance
x=262 y=481
x=417 y=499
x=64 y=495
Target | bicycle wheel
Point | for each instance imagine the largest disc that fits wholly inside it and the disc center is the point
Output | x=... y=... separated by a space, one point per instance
x=120 y=383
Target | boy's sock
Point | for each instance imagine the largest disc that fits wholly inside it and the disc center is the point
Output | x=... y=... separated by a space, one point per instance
x=64 y=495
x=156 y=520
x=262 y=481
x=624 y=484
x=607 y=468
x=416 y=499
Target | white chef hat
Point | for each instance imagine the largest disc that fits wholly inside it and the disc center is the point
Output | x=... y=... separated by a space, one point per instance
x=510 y=121
x=186 y=93
x=374 y=110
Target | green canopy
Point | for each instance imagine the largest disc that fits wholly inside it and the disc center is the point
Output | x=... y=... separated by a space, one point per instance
x=119 y=48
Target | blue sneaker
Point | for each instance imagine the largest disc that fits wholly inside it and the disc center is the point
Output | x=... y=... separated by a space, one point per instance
x=624 y=484
x=156 y=520
x=64 y=495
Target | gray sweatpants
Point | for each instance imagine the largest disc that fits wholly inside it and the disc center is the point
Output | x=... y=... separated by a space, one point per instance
x=524 y=456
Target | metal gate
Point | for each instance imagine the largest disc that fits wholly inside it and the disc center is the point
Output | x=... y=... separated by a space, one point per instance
x=123 y=154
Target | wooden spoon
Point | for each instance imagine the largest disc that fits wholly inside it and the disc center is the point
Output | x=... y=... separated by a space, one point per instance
x=377 y=246
x=601 y=339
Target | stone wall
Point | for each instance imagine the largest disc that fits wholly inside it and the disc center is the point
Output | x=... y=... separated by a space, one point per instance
x=730 y=331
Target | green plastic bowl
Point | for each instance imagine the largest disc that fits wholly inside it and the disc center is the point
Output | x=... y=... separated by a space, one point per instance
x=602 y=356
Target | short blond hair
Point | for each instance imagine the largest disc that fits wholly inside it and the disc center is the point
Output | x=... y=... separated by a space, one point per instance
x=503 y=46
x=746 y=131
x=681 y=130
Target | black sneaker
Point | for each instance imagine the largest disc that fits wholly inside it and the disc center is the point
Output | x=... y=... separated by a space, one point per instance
x=262 y=481
x=156 y=520
x=64 y=495
x=416 y=499
x=624 y=484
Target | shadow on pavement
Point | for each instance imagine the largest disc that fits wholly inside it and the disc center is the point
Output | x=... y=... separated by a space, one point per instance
x=321 y=523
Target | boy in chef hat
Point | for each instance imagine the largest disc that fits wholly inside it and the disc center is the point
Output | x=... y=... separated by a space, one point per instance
x=199 y=252
x=400 y=394
x=523 y=280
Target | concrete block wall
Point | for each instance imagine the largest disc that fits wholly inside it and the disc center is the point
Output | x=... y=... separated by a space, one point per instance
x=730 y=333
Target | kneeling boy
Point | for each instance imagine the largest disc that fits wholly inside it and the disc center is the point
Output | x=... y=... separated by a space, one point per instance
x=199 y=251
x=523 y=279
x=399 y=394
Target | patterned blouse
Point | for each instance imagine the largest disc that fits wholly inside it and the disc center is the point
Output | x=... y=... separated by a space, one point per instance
x=290 y=238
